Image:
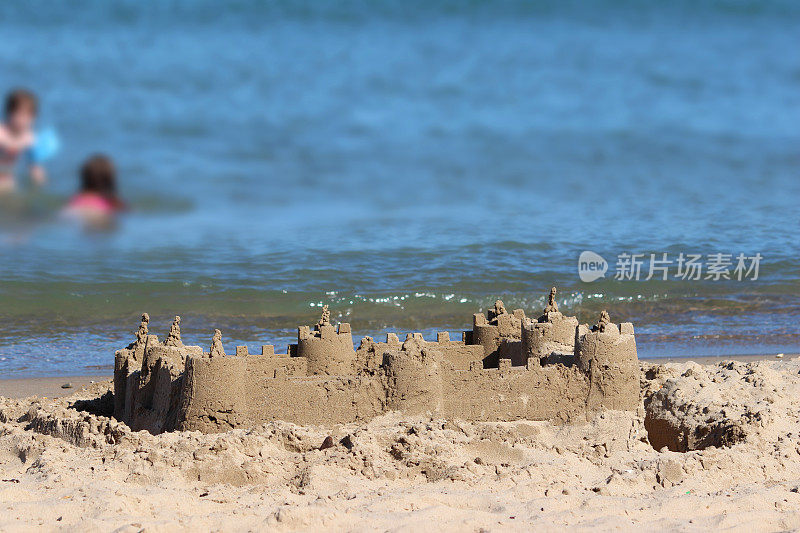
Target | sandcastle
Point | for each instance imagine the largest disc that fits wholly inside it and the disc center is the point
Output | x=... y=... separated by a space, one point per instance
x=508 y=367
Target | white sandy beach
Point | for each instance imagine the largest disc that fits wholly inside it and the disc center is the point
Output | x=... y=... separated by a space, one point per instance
x=63 y=469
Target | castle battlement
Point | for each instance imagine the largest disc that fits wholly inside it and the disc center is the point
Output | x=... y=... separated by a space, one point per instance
x=498 y=332
x=328 y=349
x=606 y=344
x=324 y=380
x=551 y=335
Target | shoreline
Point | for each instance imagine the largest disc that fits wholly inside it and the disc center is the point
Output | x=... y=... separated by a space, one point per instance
x=47 y=387
x=52 y=386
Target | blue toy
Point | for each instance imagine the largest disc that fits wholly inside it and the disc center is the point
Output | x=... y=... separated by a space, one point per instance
x=46 y=146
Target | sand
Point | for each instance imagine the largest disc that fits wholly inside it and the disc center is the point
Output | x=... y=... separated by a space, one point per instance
x=61 y=468
x=49 y=387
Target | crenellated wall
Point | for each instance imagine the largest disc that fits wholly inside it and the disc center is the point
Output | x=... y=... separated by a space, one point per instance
x=551 y=335
x=504 y=369
x=498 y=332
x=461 y=355
x=329 y=350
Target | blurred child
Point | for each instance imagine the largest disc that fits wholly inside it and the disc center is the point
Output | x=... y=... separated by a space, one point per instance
x=97 y=200
x=16 y=137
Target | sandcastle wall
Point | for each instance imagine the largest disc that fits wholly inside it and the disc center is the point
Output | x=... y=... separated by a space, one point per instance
x=516 y=393
x=230 y=392
x=421 y=380
x=225 y=393
x=323 y=380
x=460 y=354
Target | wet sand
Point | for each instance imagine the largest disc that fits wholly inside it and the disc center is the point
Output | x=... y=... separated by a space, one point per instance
x=50 y=387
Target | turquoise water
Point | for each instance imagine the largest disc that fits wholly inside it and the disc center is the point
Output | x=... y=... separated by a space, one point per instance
x=406 y=163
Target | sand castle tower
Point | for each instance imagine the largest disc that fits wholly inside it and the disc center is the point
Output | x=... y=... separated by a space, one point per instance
x=174 y=337
x=126 y=362
x=147 y=378
x=414 y=375
x=606 y=353
x=327 y=349
x=551 y=333
x=143 y=336
x=217 y=349
x=496 y=327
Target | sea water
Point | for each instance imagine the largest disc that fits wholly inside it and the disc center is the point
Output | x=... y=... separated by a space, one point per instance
x=406 y=163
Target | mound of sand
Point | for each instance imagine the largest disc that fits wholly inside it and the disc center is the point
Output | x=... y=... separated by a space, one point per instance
x=719 y=405
x=727 y=434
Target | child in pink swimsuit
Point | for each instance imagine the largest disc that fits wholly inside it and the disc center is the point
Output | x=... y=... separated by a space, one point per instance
x=97 y=198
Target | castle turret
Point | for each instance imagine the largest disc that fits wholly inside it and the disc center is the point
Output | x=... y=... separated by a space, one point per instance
x=221 y=382
x=148 y=379
x=606 y=353
x=497 y=327
x=552 y=333
x=328 y=350
x=414 y=378
x=127 y=367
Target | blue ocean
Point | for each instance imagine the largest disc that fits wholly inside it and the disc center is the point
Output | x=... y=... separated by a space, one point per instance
x=406 y=163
